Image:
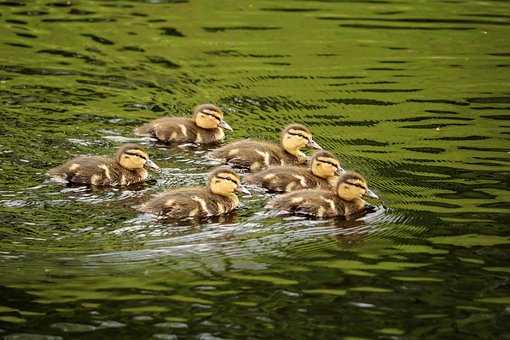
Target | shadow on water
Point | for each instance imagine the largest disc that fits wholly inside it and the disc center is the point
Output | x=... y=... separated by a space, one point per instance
x=413 y=95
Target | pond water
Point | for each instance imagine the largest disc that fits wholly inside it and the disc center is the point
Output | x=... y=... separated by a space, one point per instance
x=413 y=94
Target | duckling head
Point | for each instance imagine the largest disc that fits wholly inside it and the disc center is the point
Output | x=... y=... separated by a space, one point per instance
x=352 y=186
x=295 y=137
x=209 y=116
x=325 y=165
x=225 y=182
x=134 y=157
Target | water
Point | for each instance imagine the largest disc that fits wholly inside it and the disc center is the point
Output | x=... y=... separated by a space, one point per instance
x=415 y=95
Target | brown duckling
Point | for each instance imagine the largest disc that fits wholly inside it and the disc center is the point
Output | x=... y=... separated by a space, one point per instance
x=322 y=173
x=216 y=199
x=346 y=201
x=204 y=127
x=256 y=155
x=126 y=168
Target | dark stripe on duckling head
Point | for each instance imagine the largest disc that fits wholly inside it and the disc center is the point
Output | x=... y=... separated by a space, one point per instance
x=131 y=148
x=297 y=129
x=227 y=179
x=208 y=109
x=327 y=161
x=326 y=157
x=136 y=154
x=298 y=134
x=356 y=185
x=209 y=113
x=224 y=172
x=351 y=178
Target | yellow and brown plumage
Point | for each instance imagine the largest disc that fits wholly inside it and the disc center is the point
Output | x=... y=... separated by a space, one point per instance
x=256 y=155
x=126 y=168
x=345 y=201
x=206 y=126
x=322 y=173
x=219 y=197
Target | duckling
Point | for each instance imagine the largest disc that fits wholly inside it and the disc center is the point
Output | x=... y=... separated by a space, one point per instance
x=256 y=155
x=322 y=173
x=126 y=168
x=204 y=127
x=216 y=199
x=345 y=201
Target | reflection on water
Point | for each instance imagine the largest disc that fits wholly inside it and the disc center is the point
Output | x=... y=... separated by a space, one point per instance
x=413 y=95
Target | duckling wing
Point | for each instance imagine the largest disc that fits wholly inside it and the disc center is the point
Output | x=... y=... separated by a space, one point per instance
x=169 y=129
x=179 y=203
x=229 y=150
x=288 y=202
x=250 y=154
x=84 y=170
x=315 y=203
x=282 y=179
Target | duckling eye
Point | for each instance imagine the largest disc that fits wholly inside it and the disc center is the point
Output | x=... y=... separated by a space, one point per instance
x=217 y=181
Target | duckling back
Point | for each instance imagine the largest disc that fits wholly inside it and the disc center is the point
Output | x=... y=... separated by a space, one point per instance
x=287 y=178
x=100 y=171
x=316 y=203
x=254 y=155
x=190 y=202
x=179 y=130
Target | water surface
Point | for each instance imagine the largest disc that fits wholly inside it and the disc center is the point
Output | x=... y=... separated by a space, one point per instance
x=414 y=95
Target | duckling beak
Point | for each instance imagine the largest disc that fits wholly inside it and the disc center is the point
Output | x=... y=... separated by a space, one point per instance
x=313 y=144
x=224 y=125
x=340 y=171
x=152 y=165
x=242 y=189
x=371 y=194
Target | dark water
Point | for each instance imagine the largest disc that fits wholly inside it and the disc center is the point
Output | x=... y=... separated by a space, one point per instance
x=415 y=95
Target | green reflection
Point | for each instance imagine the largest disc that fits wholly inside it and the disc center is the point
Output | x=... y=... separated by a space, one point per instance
x=391 y=331
x=263 y=278
x=337 y=292
x=505 y=300
x=12 y=319
x=416 y=279
x=145 y=309
x=357 y=265
x=470 y=240
x=497 y=269
x=371 y=290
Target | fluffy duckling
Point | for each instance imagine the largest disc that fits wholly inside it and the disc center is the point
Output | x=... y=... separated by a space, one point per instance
x=204 y=127
x=126 y=168
x=217 y=198
x=256 y=155
x=322 y=173
x=346 y=201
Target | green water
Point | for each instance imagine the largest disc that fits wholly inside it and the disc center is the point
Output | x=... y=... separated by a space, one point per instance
x=415 y=95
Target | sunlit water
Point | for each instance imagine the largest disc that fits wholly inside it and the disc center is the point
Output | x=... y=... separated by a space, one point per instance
x=415 y=95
